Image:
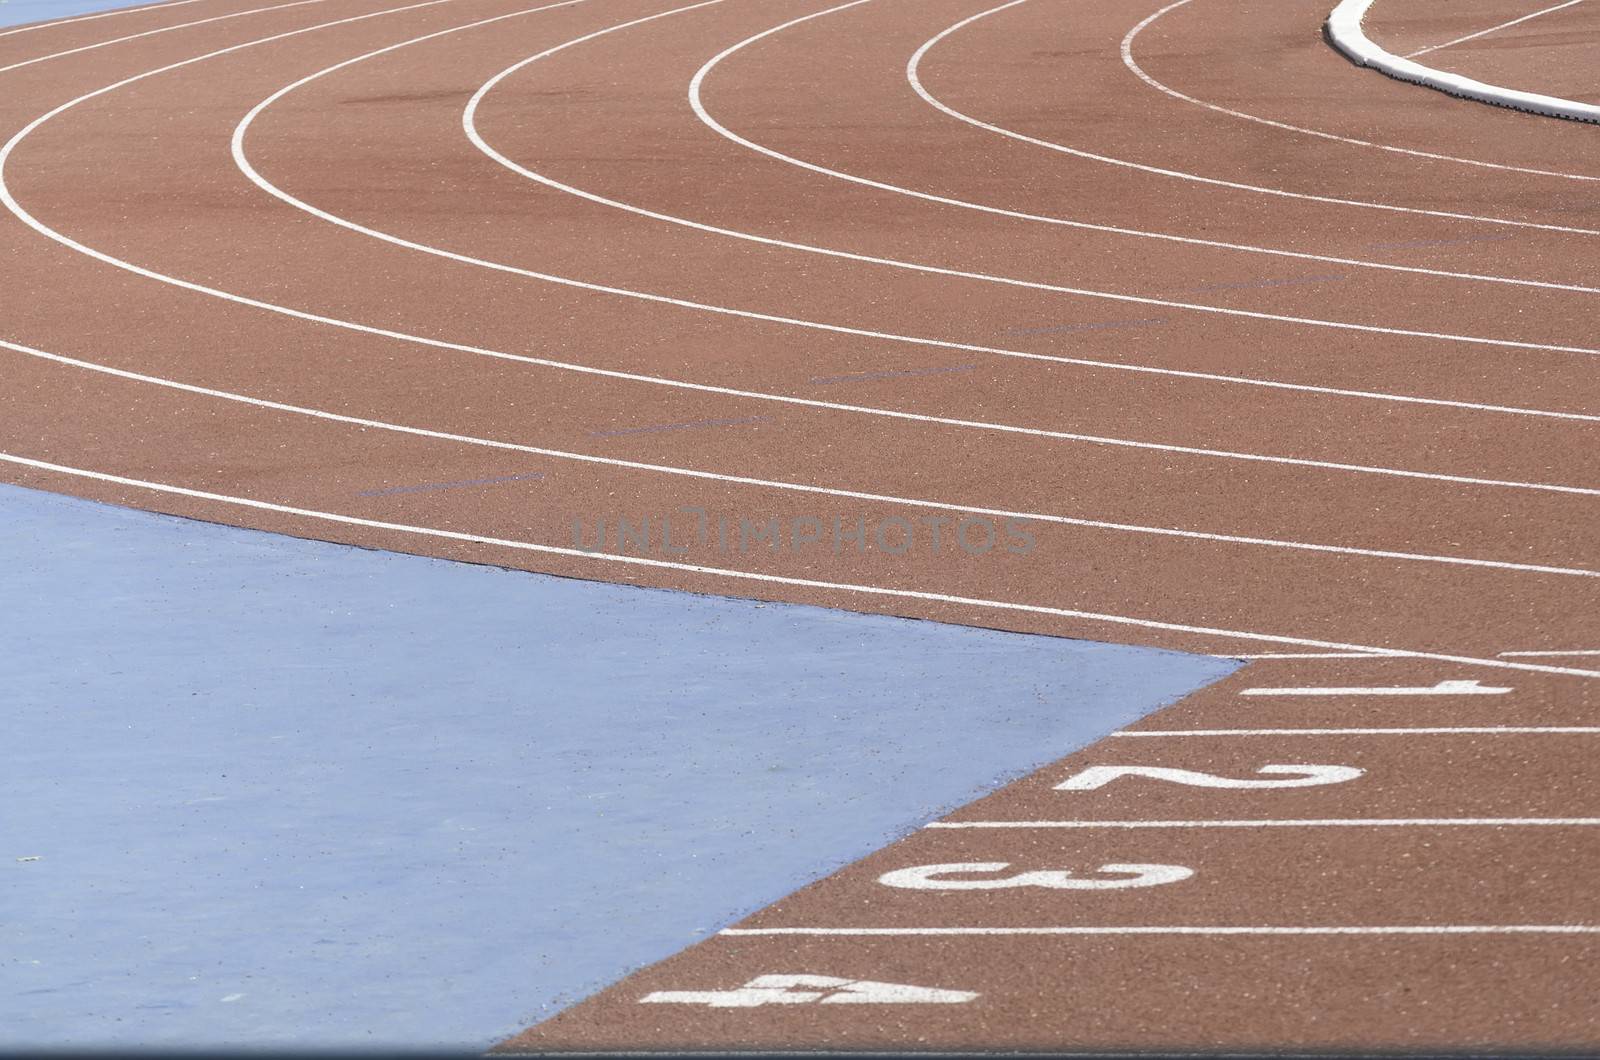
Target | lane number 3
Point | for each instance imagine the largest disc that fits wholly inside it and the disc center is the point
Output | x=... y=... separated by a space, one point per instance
x=1114 y=877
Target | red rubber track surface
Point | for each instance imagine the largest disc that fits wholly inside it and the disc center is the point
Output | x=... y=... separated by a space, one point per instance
x=1554 y=49
x=1277 y=355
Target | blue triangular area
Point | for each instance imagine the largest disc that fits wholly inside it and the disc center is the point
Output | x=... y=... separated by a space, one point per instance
x=287 y=792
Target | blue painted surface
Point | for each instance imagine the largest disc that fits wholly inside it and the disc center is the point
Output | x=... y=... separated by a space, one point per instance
x=16 y=12
x=287 y=792
x=281 y=792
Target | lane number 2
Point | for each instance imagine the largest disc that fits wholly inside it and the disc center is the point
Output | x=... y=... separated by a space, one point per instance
x=1273 y=776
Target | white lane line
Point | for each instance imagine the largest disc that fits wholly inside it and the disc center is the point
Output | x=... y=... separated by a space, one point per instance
x=1050 y=145
x=769 y=579
x=1324 y=822
x=10 y=202
x=243 y=162
x=154 y=32
x=17 y=209
x=1375 y=655
x=1345 y=33
x=1187 y=929
x=1129 y=61
x=697 y=103
x=1491 y=29
x=1443 y=688
x=408 y=8
x=746 y=480
x=241 y=158
x=444 y=533
x=1066 y=436
x=186 y=62
x=1436 y=730
x=1312 y=655
x=84 y=364
x=1550 y=654
x=90 y=18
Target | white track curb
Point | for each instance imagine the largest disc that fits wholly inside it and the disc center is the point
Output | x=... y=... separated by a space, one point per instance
x=1344 y=31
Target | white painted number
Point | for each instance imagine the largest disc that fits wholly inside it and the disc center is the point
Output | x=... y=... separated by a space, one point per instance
x=809 y=989
x=936 y=877
x=1443 y=688
x=1286 y=777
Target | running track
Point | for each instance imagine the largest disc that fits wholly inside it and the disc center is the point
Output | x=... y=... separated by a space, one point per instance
x=1282 y=359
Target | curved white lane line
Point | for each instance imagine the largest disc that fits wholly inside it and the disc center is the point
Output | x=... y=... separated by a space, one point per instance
x=1344 y=30
x=746 y=480
x=640 y=561
x=697 y=103
x=1050 y=145
x=242 y=160
x=154 y=32
x=11 y=203
x=1129 y=61
x=1493 y=29
x=1095 y=524
x=16 y=208
x=774 y=579
x=90 y=18
x=1229 y=930
x=250 y=172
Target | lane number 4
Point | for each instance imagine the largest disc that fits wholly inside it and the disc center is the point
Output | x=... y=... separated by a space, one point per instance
x=810 y=989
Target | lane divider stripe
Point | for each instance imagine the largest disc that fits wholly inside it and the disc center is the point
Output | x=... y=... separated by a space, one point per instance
x=1235 y=185
x=1438 y=730
x=829 y=491
x=91 y=18
x=1186 y=929
x=773 y=579
x=1325 y=822
x=1138 y=71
